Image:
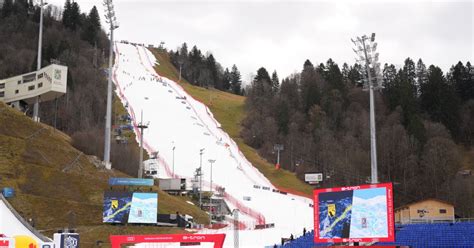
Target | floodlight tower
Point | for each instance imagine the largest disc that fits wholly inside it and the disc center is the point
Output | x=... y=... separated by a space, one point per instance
x=201 y=151
x=278 y=148
x=211 y=161
x=38 y=63
x=174 y=147
x=141 y=126
x=365 y=50
x=112 y=21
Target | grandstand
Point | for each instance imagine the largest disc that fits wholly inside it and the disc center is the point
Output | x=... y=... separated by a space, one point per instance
x=414 y=235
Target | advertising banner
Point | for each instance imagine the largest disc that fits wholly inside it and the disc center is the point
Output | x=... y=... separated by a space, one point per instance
x=116 y=207
x=354 y=214
x=130 y=207
x=7 y=242
x=313 y=177
x=116 y=181
x=144 y=208
x=69 y=240
x=117 y=241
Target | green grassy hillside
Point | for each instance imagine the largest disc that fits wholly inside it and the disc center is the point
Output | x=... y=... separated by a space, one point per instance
x=229 y=110
x=58 y=186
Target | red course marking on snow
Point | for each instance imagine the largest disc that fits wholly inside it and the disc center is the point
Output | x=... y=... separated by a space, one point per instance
x=250 y=212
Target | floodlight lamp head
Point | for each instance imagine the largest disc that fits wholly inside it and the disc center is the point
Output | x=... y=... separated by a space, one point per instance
x=373 y=37
x=374 y=46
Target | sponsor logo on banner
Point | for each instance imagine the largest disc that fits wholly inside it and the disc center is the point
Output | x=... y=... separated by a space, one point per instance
x=313 y=177
x=57 y=74
x=69 y=241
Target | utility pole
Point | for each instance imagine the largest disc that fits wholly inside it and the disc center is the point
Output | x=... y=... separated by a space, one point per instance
x=140 y=165
x=278 y=148
x=38 y=62
x=174 y=147
x=112 y=21
x=236 y=228
x=200 y=176
x=211 y=161
x=366 y=48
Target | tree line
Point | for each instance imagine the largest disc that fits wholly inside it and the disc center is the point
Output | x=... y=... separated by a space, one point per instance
x=205 y=71
x=74 y=39
x=321 y=116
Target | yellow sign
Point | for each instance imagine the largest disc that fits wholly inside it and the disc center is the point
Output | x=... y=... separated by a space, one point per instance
x=23 y=241
x=332 y=210
x=114 y=204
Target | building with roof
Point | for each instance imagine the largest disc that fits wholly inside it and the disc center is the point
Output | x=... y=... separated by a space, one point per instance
x=48 y=83
x=425 y=211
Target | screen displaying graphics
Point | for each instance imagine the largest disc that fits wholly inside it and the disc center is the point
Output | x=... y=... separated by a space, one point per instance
x=130 y=207
x=144 y=208
x=116 y=207
x=354 y=214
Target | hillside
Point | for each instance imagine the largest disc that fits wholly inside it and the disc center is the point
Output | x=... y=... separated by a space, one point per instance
x=229 y=110
x=58 y=186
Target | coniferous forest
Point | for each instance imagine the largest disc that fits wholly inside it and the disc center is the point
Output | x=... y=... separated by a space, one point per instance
x=424 y=118
x=205 y=71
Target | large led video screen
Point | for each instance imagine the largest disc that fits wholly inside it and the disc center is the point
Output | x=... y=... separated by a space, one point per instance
x=144 y=208
x=130 y=207
x=354 y=214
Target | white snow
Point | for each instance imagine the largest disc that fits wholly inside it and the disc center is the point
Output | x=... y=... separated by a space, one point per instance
x=177 y=119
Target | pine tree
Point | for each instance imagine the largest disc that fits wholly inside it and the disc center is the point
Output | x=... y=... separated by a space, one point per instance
x=353 y=76
x=92 y=27
x=310 y=92
x=421 y=76
x=409 y=73
x=460 y=77
x=7 y=8
x=212 y=67
x=75 y=16
x=275 y=81
x=226 y=79
x=332 y=74
x=235 y=80
x=71 y=15
x=67 y=14
x=440 y=101
x=195 y=64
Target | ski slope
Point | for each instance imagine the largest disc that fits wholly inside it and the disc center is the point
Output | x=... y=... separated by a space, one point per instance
x=176 y=119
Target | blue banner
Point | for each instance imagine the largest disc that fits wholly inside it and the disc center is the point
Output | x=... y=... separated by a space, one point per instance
x=116 y=181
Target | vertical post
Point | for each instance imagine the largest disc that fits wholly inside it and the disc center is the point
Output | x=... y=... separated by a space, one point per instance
x=211 y=161
x=236 y=228
x=108 y=117
x=200 y=177
x=173 y=160
x=373 y=144
x=278 y=148
x=38 y=63
x=55 y=112
x=278 y=156
x=140 y=165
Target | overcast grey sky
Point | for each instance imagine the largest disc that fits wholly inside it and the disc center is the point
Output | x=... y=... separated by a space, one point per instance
x=281 y=35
